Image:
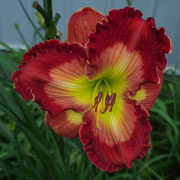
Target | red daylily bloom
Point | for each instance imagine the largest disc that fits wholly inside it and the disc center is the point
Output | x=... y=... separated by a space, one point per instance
x=100 y=83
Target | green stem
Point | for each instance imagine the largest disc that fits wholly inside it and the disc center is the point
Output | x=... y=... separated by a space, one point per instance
x=8 y=47
x=56 y=18
x=45 y=5
x=30 y=20
x=49 y=10
x=21 y=35
x=19 y=153
x=134 y=172
x=37 y=6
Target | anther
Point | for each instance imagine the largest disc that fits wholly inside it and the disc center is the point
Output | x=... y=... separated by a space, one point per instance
x=112 y=101
x=106 y=104
x=109 y=102
x=97 y=100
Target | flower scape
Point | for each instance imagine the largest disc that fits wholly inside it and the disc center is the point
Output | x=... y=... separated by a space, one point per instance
x=100 y=83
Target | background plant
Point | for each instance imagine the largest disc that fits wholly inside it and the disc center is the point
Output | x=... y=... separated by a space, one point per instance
x=30 y=150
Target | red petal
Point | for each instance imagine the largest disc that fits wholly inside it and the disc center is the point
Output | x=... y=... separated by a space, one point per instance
x=119 y=141
x=82 y=23
x=47 y=72
x=149 y=92
x=126 y=28
x=66 y=124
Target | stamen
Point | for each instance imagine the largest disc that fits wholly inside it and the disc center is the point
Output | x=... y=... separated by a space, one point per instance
x=95 y=90
x=106 y=104
x=108 y=87
x=109 y=102
x=97 y=100
x=105 y=97
x=97 y=123
x=112 y=101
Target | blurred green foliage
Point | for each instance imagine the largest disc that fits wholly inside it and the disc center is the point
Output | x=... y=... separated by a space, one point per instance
x=30 y=150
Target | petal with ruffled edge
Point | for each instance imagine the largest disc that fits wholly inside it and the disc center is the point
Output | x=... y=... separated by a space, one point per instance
x=121 y=136
x=66 y=123
x=149 y=92
x=127 y=50
x=82 y=23
x=52 y=73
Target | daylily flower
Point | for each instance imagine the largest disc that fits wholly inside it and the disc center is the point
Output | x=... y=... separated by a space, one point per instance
x=99 y=84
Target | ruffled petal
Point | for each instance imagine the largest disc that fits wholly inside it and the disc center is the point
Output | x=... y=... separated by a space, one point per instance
x=82 y=23
x=66 y=124
x=149 y=92
x=113 y=140
x=52 y=73
x=128 y=49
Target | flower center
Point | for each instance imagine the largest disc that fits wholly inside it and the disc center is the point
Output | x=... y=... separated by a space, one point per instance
x=103 y=99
